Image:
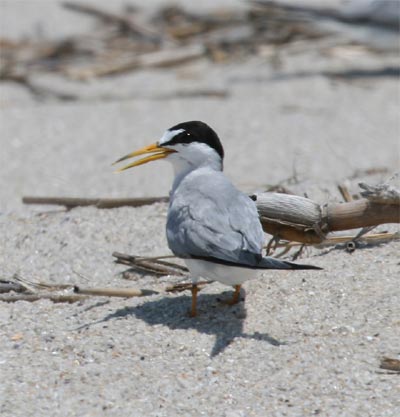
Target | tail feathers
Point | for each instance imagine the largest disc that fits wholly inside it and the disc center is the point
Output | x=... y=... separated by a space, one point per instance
x=272 y=263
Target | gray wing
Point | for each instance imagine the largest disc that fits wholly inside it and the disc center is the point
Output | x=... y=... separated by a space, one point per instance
x=209 y=218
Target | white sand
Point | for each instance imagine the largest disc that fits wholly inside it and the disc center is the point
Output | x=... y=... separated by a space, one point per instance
x=303 y=343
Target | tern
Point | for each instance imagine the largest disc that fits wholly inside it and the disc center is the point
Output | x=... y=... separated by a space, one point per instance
x=211 y=225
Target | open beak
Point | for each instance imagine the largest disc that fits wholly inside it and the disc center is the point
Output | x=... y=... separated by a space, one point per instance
x=153 y=149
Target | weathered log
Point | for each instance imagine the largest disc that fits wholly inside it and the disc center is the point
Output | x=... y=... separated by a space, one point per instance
x=290 y=217
x=299 y=219
x=360 y=213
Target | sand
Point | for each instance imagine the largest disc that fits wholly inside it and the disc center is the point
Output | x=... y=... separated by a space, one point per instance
x=301 y=344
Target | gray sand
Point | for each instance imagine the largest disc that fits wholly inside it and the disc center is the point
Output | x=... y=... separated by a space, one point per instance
x=303 y=343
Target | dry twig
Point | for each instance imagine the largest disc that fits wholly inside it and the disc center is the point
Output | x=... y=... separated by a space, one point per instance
x=114 y=292
x=33 y=291
x=345 y=193
x=153 y=265
x=172 y=36
x=55 y=298
x=158 y=59
x=126 y=24
x=104 y=203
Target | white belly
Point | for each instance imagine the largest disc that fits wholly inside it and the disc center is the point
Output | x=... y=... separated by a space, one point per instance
x=228 y=275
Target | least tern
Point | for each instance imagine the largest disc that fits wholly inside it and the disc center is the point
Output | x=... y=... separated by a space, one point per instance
x=211 y=225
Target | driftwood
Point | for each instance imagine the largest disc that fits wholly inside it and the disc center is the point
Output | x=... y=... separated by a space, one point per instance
x=124 y=23
x=390 y=364
x=22 y=289
x=129 y=40
x=159 y=59
x=154 y=265
x=184 y=286
x=114 y=292
x=8 y=286
x=80 y=294
x=55 y=298
x=71 y=202
x=362 y=240
x=34 y=286
x=157 y=266
x=295 y=219
x=372 y=13
x=382 y=193
x=344 y=191
x=284 y=216
x=300 y=219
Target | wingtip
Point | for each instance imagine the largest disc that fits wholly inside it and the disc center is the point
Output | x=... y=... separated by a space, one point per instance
x=301 y=266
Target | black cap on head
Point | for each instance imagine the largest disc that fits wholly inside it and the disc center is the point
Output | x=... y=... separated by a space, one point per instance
x=196 y=131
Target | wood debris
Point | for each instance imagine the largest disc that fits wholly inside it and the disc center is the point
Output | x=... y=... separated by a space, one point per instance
x=21 y=289
x=284 y=216
x=184 y=286
x=390 y=364
x=55 y=298
x=104 y=203
x=114 y=292
x=299 y=219
x=172 y=36
x=293 y=222
x=153 y=265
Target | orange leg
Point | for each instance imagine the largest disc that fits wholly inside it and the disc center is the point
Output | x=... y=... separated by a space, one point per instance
x=194 y=290
x=236 y=296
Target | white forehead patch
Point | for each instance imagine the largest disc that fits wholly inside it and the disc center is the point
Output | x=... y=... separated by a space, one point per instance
x=169 y=135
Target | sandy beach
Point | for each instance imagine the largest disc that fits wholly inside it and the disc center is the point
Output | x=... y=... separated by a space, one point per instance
x=301 y=344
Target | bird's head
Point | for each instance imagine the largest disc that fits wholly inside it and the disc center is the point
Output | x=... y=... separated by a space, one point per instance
x=186 y=145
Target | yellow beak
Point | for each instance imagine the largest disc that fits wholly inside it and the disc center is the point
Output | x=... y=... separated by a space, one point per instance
x=155 y=151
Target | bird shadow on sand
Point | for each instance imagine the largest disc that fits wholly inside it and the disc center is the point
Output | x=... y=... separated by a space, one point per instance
x=214 y=318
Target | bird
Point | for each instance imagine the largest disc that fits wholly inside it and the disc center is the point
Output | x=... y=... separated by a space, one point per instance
x=211 y=225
